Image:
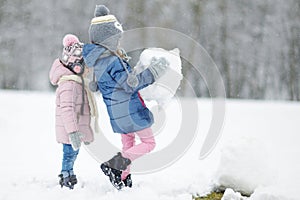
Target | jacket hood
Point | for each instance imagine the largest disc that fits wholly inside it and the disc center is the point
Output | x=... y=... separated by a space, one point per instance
x=57 y=71
x=91 y=53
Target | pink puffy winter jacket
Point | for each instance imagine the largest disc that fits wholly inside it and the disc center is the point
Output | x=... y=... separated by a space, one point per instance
x=68 y=106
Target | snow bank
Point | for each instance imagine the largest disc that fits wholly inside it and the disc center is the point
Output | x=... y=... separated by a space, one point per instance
x=229 y=194
x=245 y=165
x=260 y=150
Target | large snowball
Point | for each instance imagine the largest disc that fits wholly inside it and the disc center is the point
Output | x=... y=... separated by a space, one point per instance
x=165 y=87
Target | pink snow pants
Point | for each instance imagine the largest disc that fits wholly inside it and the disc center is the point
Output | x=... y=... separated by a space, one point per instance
x=132 y=151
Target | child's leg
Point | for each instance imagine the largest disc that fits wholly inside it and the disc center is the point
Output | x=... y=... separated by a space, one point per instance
x=128 y=141
x=69 y=157
x=147 y=144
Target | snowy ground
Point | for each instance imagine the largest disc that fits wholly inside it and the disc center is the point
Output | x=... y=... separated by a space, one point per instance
x=259 y=152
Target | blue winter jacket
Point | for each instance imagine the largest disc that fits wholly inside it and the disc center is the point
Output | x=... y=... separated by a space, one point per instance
x=125 y=107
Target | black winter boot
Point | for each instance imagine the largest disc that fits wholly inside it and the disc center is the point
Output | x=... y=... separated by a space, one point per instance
x=113 y=169
x=69 y=181
x=114 y=176
x=61 y=180
x=73 y=180
x=118 y=162
x=127 y=181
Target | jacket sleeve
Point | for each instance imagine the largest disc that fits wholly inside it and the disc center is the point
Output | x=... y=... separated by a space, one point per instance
x=119 y=74
x=55 y=66
x=67 y=105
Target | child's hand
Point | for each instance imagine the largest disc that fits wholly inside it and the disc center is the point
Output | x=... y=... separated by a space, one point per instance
x=75 y=140
x=158 y=67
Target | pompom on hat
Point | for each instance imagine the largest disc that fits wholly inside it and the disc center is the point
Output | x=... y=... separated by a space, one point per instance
x=105 y=29
x=69 y=40
x=101 y=10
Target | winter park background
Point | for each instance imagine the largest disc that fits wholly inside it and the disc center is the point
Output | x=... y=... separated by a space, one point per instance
x=256 y=46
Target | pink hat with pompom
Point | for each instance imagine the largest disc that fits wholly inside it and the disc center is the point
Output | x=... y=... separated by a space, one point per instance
x=72 y=51
x=69 y=40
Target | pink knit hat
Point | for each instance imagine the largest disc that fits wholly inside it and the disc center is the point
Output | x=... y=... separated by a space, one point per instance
x=70 y=39
x=72 y=53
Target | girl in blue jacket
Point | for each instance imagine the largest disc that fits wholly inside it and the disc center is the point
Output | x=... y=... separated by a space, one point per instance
x=119 y=87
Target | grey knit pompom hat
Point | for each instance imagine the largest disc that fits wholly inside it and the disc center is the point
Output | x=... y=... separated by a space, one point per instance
x=105 y=29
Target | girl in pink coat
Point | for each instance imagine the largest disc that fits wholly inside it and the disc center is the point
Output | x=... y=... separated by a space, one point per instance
x=73 y=106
